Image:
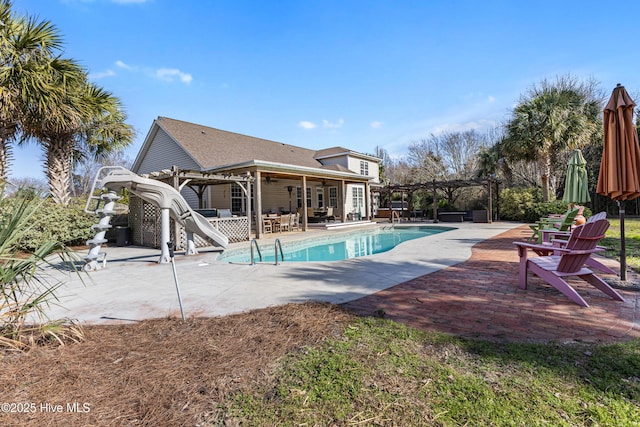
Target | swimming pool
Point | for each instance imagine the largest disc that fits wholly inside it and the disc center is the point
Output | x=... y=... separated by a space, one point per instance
x=337 y=247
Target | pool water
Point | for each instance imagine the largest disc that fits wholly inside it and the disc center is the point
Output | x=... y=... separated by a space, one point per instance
x=337 y=247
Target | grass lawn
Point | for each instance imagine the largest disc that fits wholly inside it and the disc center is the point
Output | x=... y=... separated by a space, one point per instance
x=384 y=373
x=632 y=241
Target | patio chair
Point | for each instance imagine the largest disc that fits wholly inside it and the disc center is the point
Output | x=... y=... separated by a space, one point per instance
x=275 y=222
x=267 y=226
x=553 y=269
x=285 y=222
x=560 y=223
x=329 y=216
x=294 y=222
x=555 y=238
x=311 y=216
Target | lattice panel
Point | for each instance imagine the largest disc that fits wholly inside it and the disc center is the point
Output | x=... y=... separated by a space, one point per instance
x=135 y=219
x=234 y=228
x=144 y=219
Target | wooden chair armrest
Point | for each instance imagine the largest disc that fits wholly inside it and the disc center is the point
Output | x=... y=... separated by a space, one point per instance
x=534 y=246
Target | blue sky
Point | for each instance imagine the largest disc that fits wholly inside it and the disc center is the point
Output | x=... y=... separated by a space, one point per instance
x=321 y=73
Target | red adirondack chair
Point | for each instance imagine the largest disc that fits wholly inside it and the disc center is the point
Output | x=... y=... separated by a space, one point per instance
x=555 y=239
x=553 y=269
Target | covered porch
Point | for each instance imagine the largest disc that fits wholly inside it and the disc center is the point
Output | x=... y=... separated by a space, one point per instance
x=331 y=194
x=242 y=201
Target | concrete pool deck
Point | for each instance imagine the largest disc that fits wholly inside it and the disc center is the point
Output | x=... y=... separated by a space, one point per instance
x=133 y=286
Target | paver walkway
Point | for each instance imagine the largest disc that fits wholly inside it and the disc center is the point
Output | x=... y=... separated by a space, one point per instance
x=480 y=298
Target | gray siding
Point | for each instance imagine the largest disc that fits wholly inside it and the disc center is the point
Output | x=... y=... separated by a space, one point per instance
x=163 y=153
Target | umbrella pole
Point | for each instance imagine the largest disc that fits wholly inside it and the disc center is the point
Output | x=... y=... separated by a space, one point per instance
x=623 y=248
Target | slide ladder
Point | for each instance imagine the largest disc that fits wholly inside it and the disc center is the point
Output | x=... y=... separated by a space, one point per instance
x=105 y=210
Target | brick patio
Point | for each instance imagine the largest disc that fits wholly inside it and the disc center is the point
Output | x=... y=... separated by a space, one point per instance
x=480 y=298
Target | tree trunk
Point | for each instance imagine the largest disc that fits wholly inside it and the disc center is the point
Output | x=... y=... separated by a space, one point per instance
x=545 y=187
x=546 y=173
x=5 y=153
x=4 y=160
x=59 y=154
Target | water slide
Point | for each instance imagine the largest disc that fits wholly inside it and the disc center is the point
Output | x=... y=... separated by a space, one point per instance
x=167 y=198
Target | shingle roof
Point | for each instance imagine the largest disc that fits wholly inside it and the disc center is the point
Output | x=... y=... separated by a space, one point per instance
x=212 y=147
x=331 y=151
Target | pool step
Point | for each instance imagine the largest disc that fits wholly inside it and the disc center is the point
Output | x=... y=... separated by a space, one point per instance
x=341 y=225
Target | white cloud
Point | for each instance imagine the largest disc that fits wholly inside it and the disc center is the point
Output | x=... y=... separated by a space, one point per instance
x=306 y=125
x=121 y=64
x=491 y=98
x=164 y=74
x=375 y=124
x=101 y=74
x=169 y=74
x=328 y=124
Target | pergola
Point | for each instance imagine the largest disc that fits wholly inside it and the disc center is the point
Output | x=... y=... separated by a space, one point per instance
x=237 y=228
x=450 y=185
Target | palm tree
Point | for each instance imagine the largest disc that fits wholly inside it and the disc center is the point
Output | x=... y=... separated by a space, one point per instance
x=28 y=57
x=88 y=114
x=554 y=118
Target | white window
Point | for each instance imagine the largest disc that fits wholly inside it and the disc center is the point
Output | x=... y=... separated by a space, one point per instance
x=320 y=197
x=309 y=198
x=364 y=168
x=238 y=199
x=299 y=197
x=357 y=199
x=333 y=197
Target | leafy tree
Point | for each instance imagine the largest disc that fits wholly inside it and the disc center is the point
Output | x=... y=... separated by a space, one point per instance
x=553 y=118
x=28 y=57
x=47 y=99
x=87 y=114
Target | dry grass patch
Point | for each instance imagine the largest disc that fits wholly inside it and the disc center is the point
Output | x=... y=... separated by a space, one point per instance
x=159 y=372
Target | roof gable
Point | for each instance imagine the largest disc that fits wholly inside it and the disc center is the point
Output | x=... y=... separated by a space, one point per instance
x=341 y=151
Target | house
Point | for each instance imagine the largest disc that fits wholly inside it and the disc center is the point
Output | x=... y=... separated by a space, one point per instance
x=284 y=178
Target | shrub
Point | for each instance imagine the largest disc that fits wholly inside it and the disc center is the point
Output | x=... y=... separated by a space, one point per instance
x=514 y=202
x=25 y=285
x=524 y=204
x=535 y=211
x=69 y=225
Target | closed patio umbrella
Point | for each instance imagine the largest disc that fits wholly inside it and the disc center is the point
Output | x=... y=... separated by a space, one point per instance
x=620 y=164
x=576 y=184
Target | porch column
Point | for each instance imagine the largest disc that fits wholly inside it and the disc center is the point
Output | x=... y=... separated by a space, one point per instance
x=344 y=198
x=305 y=222
x=367 y=200
x=165 y=235
x=177 y=228
x=248 y=195
x=258 y=195
x=341 y=199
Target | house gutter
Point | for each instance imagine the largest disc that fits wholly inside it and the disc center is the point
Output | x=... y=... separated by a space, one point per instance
x=265 y=166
